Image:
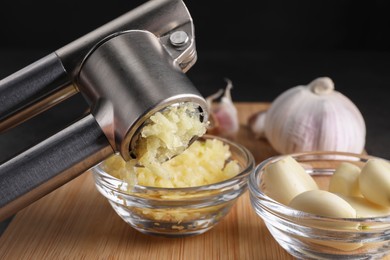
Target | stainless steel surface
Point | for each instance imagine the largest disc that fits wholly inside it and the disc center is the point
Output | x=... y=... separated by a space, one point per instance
x=59 y=69
x=29 y=84
x=51 y=163
x=127 y=70
x=36 y=108
x=160 y=17
x=178 y=38
x=147 y=80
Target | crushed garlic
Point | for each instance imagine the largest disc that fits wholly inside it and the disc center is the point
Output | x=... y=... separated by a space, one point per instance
x=168 y=134
x=204 y=162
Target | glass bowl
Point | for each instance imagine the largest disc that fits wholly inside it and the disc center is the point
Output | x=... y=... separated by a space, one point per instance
x=177 y=212
x=309 y=236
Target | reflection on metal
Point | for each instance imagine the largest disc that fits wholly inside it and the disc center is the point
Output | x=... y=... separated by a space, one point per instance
x=127 y=69
x=37 y=108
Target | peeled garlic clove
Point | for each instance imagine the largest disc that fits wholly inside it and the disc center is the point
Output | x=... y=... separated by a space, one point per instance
x=343 y=246
x=285 y=179
x=327 y=204
x=314 y=117
x=322 y=203
x=365 y=208
x=223 y=115
x=374 y=181
x=345 y=180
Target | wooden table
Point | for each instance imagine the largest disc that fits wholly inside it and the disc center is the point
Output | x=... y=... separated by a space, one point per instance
x=76 y=222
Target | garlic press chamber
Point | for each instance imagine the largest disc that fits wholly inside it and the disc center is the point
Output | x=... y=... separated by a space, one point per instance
x=126 y=70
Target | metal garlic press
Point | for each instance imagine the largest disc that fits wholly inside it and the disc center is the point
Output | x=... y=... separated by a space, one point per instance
x=126 y=70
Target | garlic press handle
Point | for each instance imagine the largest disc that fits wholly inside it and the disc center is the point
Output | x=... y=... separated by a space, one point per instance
x=31 y=90
x=158 y=38
x=51 y=163
x=21 y=89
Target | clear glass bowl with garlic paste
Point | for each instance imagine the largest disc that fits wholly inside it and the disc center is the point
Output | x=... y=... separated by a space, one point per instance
x=172 y=189
x=349 y=227
x=200 y=187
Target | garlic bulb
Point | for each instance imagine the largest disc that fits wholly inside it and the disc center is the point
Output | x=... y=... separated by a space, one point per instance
x=223 y=114
x=312 y=117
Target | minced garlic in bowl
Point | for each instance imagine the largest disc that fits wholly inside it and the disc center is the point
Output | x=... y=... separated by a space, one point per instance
x=175 y=188
x=188 y=195
x=204 y=162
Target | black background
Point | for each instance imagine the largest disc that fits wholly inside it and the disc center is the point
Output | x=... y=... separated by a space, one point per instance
x=264 y=47
x=220 y=25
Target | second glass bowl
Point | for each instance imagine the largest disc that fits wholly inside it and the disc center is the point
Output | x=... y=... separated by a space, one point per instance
x=309 y=236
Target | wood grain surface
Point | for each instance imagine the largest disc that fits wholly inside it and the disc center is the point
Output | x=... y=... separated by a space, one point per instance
x=76 y=222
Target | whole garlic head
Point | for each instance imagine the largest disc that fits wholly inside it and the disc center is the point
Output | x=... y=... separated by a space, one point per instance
x=314 y=117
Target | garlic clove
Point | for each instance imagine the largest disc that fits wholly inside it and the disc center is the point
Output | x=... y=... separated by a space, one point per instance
x=314 y=117
x=285 y=179
x=256 y=123
x=326 y=204
x=345 y=180
x=343 y=246
x=322 y=203
x=223 y=114
x=365 y=208
x=374 y=181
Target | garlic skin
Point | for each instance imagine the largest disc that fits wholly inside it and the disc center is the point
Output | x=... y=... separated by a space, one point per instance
x=256 y=123
x=223 y=114
x=314 y=117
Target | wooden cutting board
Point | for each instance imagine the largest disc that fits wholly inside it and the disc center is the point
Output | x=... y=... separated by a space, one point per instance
x=76 y=222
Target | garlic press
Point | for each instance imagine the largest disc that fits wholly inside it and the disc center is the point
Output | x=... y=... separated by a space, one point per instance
x=126 y=70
